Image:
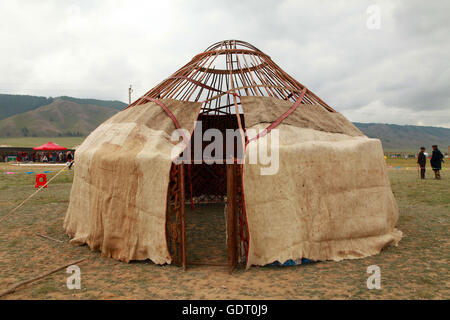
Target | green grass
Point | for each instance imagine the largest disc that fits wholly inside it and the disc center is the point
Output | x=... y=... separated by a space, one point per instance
x=418 y=268
x=68 y=142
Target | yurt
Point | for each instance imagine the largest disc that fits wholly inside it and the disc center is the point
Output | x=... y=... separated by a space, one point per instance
x=325 y=195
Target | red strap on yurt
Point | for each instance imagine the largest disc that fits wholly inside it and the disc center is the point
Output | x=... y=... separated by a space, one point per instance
x=164 y=107
x=169 y=113
x=280 y=119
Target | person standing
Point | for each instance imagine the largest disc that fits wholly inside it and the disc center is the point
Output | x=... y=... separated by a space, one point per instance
x=422 y=161
x=70 y=159
x=436 y=161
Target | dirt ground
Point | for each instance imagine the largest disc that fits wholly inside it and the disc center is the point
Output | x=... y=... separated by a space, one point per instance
x=417 y=269
x=206 y=234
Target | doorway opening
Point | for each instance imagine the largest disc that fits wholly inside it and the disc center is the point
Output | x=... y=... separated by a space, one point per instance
x=213 y=218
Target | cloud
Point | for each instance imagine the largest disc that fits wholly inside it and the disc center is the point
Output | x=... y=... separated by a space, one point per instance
x=378 y=112
x=96 y=49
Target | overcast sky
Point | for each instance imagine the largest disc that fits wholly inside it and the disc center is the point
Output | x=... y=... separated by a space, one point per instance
x=397 y=73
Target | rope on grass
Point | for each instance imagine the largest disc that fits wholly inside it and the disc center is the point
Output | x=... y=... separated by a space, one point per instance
x=32 y=195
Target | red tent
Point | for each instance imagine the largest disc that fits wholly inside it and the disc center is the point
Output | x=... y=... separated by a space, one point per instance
x=49 y=146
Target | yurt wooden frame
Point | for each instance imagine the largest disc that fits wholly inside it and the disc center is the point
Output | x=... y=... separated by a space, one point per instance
x=247 y=72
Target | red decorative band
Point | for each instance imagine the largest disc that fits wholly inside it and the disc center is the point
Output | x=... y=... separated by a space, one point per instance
x=280 y=119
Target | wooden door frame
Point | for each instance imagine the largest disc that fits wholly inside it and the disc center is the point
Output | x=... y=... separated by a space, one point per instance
x=231 y=218
x=175 y=216
x=178 y=243
x=182 y=215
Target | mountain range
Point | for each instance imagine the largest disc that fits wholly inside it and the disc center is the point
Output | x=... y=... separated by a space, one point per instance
x=59 y=118
x=406 y=137
x=22 y=116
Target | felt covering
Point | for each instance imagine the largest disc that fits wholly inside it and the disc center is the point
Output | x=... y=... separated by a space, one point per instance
x=330 y=198
x=118 y=198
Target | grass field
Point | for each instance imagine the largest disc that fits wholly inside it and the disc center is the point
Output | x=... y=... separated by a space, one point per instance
x=68 y=142
x=417 y=269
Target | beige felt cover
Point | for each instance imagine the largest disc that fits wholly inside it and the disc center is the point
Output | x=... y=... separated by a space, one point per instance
x=119 y=193
x=330 y=199
x=267 y=110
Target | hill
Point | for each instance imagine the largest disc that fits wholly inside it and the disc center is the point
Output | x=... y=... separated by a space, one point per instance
x=59 y=118
x=11 y=104
x=118 y=105
x=406 y=137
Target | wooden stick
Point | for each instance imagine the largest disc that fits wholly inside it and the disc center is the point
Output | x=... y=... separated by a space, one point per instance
x=47 y=237
x=14 y=287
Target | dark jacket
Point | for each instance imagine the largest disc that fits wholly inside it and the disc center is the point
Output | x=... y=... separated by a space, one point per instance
x=436 y=159
x=422 y=159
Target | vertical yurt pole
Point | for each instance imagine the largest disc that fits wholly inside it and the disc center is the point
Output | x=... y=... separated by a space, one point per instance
x=231 y=217
x=182 y=215
x=236 y=107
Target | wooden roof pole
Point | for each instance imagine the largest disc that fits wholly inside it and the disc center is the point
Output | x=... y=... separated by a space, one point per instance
x=236 y=107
